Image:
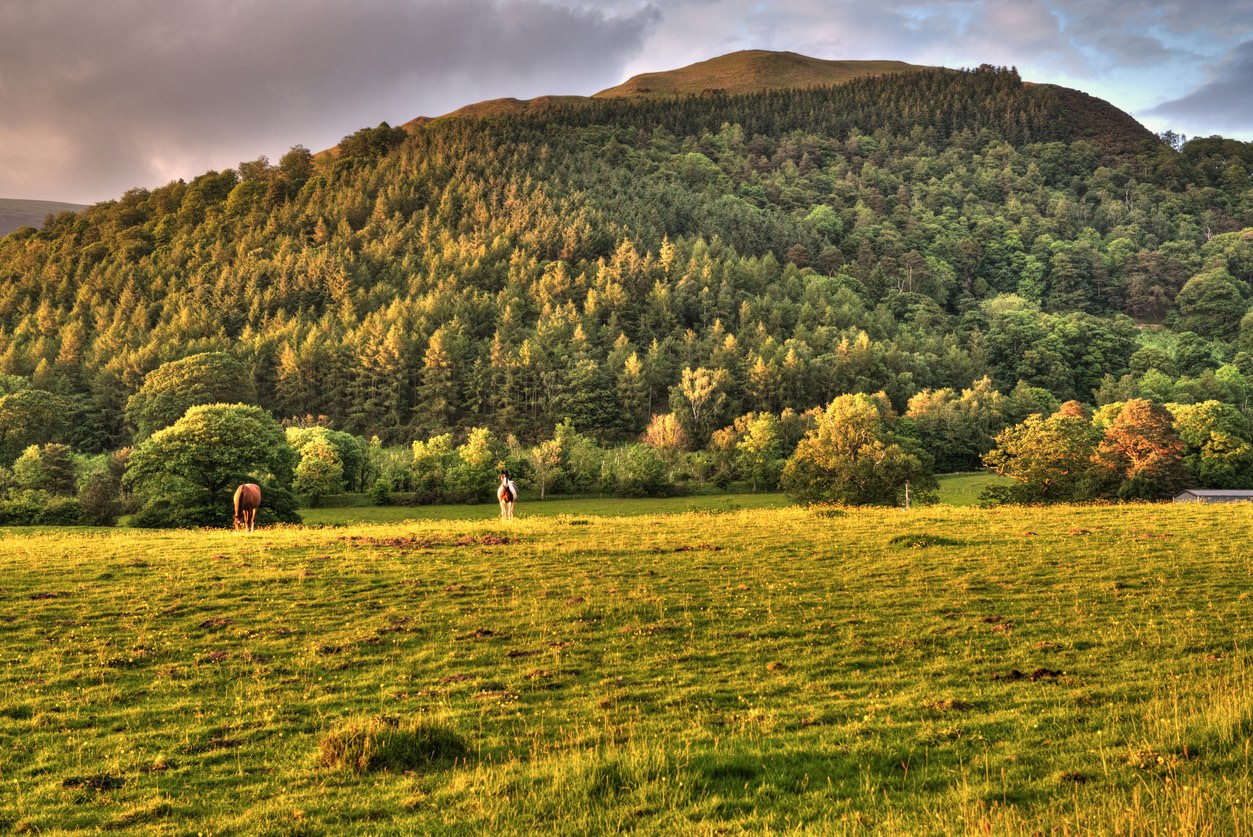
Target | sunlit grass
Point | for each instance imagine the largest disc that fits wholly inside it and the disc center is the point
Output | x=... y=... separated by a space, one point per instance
x=940 y=670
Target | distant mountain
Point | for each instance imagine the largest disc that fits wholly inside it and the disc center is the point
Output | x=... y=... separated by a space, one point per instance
x=19 y=213
x=752 y=71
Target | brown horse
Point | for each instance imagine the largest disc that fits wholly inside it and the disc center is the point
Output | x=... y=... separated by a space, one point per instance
x=247 y=501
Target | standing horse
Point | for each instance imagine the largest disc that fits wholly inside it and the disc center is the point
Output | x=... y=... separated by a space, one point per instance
x=247 y=501
x=507 y=494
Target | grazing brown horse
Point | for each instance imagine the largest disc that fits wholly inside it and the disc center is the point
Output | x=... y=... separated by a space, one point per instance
x=247 y=501
x=507 y=494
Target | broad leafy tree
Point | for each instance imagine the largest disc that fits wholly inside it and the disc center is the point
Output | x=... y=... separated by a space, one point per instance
x=30 y=417
x=1048 y=457
x=1142 y=452
x=168 y=390
x=854 y=454
x=187 y=473
x=1218 y=441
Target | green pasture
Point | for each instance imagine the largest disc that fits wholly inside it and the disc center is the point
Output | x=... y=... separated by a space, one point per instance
x=955 y=490
x=941 y=670
x=530 y=507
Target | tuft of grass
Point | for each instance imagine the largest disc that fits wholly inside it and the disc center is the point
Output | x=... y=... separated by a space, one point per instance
x=383 y=743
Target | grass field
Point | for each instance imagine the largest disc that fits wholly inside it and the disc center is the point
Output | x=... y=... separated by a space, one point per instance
x=880 y=671
x=955 y=490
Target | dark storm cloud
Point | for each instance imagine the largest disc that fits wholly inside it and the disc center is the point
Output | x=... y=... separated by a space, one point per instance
x=98 y=97
x=1225 y=103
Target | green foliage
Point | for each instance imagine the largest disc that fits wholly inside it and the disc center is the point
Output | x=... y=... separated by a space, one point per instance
x=319 y=471
x=30 y=417
x=380 y=493
x=1213 y=304
x=779 y=248
x=186 y=474
x=350 y=451
x=39 y=508
x=637 y=471
x=48 y=468
x=855 y=454
x=1048 y=457
x=170 y=389
x=478 y=461
x=99 y=500
x=760 y=450
x=1219 y=443
x=432 y=460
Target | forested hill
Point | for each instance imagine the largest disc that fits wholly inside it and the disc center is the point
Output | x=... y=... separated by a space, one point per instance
x=713 y=254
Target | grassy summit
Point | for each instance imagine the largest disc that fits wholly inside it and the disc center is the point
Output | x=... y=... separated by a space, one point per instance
x=751 y=71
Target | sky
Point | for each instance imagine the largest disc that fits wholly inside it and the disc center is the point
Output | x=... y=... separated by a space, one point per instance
x=100 y=97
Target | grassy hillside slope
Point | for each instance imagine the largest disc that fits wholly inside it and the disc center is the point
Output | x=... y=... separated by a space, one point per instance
x=945 y=670
x=21 y=213
x=751 y=71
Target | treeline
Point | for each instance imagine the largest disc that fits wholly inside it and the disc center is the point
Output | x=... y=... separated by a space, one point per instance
x=706 y=257
x=857 y=449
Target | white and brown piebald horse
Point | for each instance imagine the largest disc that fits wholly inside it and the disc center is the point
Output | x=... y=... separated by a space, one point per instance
x=507 y=494
x=247 y=501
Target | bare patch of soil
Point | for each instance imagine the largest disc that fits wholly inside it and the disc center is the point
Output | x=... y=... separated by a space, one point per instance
x=398 y=542
x=482 y=540
x=1015 y=675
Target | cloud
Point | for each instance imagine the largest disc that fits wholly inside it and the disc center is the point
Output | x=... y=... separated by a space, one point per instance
x=99 y=97
x=1221 y=105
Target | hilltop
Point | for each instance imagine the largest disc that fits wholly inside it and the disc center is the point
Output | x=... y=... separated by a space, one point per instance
x=747 y=71
x=15 y=214
x=752 y=71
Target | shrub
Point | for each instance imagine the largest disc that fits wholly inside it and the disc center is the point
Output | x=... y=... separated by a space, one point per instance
x=99 y=500
x=639 y=472
x=38 y=508
x=380 y=493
